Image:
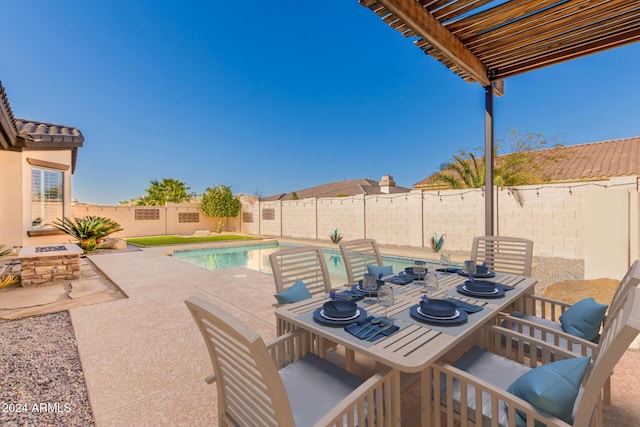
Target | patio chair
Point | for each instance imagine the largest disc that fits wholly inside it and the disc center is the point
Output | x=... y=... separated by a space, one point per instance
x=304 y=263
x=473 y=390
x=357 y=254
x=510 y=255
x=282 y=384
x=292 y=265
x=546 y=326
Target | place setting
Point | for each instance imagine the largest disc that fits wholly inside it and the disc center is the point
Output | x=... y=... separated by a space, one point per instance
x=336 y=312
x=373 y=328
x=480 y=288
x=477 y=271
x=438 y=311
x=368 y=288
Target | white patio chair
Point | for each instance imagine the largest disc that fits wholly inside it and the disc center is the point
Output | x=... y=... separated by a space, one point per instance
x=282 y=385
x=546 y=326
x=357 y=254
x=481 y=376
x=510 y=255
x=304 y=263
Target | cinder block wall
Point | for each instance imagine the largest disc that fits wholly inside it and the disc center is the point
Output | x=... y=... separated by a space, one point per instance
x=553 y=216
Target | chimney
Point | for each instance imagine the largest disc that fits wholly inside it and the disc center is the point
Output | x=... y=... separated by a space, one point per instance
x=386 y=183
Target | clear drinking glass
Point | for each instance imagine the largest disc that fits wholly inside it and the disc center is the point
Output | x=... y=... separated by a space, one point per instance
x=430 y=283
x=419 y=270
x=470 y=267
x=385 y=297
x=369 y=285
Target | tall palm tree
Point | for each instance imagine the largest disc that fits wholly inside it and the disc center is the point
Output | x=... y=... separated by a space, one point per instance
x=169 y=190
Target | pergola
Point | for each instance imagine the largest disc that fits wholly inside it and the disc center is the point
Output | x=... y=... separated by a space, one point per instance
x=486 y=41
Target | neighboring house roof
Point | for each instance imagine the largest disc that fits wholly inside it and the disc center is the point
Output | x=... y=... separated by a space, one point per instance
x=582 y=162
x=33 y=134
x=340 y=188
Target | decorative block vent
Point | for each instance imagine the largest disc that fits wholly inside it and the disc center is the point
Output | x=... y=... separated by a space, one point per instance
x=247 y=217
x=269 y=214
x=147 y=214
x=188 y=217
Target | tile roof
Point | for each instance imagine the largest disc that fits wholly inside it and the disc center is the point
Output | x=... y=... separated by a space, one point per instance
x=582 y=162
x=340 y=188
x=32 y=134
x=46 y=133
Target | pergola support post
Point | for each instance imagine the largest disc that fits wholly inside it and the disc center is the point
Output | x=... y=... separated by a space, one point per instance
x=489 y=206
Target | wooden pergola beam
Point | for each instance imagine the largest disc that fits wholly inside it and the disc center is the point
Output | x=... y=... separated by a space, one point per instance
x=428 y=27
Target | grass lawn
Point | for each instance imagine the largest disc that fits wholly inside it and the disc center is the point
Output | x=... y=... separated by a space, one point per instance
x=178 y=240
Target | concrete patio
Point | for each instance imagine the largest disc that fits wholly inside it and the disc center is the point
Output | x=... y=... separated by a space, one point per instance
x=144 y=359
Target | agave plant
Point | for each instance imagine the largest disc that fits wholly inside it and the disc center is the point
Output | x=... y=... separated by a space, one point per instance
x=335 y=236
x=8 y=279
x=89 y=230
x=436 y=242
x=4 y=252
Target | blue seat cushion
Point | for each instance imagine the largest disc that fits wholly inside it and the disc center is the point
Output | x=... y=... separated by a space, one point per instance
x=552 y=387
x=295 y=293
x=583 y=319
x=376 y=270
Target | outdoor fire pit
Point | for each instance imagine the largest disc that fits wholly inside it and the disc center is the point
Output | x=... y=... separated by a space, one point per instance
x=47 y=264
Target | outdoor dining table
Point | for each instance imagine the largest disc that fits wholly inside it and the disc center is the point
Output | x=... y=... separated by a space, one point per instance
x=416 y=344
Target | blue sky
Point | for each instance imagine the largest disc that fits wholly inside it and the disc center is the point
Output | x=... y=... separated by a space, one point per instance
x=272 y=97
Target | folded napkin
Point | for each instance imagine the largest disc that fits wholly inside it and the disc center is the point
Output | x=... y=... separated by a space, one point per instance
x=399 y=280
x=469 y=308
x=365 y=330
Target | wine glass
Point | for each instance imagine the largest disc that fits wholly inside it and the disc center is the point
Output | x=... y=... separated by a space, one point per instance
x=369 y=286
x=430 y=283
x=385 y=297
x=419 y=269
x=445 y=261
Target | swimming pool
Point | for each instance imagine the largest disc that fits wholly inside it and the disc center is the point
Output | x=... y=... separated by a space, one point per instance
x=256 y=257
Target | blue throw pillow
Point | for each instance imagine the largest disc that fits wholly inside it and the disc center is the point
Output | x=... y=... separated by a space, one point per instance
x=386 y=270
x=583 y=319
x=552 y=387
x=295 y=293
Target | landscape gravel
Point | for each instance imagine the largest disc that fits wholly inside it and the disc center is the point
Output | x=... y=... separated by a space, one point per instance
x=42 y=383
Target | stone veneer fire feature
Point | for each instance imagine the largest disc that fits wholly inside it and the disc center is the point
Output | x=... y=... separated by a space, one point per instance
x=47 y=264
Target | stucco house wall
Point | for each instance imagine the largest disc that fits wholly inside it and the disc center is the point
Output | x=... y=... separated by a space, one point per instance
x=11 y=206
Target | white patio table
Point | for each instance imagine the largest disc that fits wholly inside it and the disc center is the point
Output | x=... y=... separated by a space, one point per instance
x=417 y=344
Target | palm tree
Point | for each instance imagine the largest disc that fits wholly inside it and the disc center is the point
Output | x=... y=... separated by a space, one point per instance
x=169 y=190
x=469 y=172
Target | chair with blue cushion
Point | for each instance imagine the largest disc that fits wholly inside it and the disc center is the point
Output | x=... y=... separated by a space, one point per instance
x=283 y=384
x=576 y=327
x=305 y=264
x=300 y=273
x=494 y=384
x=358 y=255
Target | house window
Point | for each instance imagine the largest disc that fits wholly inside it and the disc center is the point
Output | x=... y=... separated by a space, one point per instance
x=47 y=197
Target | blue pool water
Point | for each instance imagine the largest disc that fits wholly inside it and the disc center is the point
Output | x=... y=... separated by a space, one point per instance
x=256 y=257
